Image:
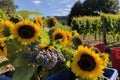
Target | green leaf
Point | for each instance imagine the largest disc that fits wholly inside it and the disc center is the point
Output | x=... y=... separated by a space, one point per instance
x=23 y=73
x=68 y=63
x=19 y=61
x=26 y=14
x=44 y=37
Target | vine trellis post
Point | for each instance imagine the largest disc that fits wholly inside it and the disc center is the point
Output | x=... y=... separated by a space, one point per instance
x=104 y=30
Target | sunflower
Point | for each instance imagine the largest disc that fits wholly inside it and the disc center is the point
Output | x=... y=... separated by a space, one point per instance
x=16 y=18
x=3 y=48
x=51 y=48
x=68 y=38
x=75 y=33
x=39 y=20
x=5 y=27
x=46 y=46
x=95 y=49
x=52 y=22
x=69 y=35
x=105 y=58
x=77 y=41
x=42 y=46
x=87 y=64
x=60 y=34
x=26 y=31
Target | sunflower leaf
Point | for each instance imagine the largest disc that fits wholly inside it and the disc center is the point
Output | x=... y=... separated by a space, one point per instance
x=12 y=49
x=21 y=62
x=23 y=73
x=44 y=37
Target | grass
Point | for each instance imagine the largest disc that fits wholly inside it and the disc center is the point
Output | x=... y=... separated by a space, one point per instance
x=111 y=42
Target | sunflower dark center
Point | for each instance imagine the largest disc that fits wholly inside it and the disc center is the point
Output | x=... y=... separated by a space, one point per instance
x=6 y=32
x=58 y=36
x=87 y=62
x=68 y=38
x=26 y=31
x=1 y=48
x=78 y=41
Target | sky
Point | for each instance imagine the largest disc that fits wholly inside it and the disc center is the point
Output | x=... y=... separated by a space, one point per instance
x=47 y=7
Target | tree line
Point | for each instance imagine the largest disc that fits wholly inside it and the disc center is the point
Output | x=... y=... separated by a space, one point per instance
x=8 y=6
x=93 y=8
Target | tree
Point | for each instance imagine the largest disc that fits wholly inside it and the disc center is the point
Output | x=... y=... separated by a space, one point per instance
x=105 y=6
x=93 y=8
x=76 y=11
x=90 y=7
x=109 y=6
x=8 y=6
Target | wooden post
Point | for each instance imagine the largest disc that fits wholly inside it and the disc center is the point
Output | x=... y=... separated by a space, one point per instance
x=104 y=35
x=104 y=30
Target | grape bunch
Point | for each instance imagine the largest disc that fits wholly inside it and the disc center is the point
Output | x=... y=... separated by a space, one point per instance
x=46 y=57
x=30 y=57
x=50 y=58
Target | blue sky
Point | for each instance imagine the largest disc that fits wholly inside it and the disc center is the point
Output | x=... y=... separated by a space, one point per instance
x=46 y=7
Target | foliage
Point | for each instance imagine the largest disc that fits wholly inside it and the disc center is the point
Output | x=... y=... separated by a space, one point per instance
x=109 y=6
x=15 y=18
x=111 y=25
x=105 y=6
x=89 y=25
x=93 y=8
x=90 y=7
x=27 y=57
x=26 y=14
x=76 y=11
x=44 y=37
x=2 y=15
x=56 y=24
x=9 y=6
x=40 y=51
x=27 y=73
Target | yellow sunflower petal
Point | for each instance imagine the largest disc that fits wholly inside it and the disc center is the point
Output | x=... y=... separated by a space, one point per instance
x=5 y=27
x=60 y=34
x=26 y=31
x=3 y=47
x=87 y=64
x=39 y=20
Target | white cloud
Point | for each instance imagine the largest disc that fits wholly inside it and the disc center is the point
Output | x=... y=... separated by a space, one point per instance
x=61 y=14
x=63 y=10
x=37 y=2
